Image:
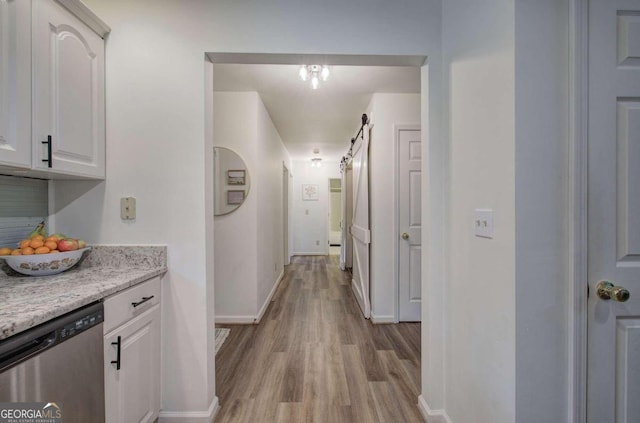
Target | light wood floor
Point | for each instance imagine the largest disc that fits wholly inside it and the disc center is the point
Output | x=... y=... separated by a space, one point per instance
x=313 y=358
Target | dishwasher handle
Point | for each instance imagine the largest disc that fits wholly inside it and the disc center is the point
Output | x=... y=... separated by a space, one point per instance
x=27 y=350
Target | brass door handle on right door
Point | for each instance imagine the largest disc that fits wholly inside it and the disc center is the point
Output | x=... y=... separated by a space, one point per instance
x=608 y=291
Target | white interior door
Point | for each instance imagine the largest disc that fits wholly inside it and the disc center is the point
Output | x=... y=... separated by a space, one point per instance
x=409 y=224
x=613 y=370
x=360 y=231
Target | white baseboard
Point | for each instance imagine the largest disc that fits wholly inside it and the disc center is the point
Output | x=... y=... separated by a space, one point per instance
x=311 y=254
x=236 y=320
x=382 y=319
x=190 y=416
x=249 y=320
x=432 y=416
x=263 y=309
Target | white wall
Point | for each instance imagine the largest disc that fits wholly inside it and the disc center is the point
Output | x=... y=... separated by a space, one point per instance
x=505 y=300
x=311 y=218
x=248 y=242
x=478 y=54
x=385 y=111
x=236 y=234
x=272 y=156
x=156 y=151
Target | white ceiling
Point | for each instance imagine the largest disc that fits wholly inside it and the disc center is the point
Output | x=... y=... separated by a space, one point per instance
x=326 y=118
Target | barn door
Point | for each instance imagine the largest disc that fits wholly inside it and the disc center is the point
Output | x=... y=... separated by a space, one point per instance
x=361 y=235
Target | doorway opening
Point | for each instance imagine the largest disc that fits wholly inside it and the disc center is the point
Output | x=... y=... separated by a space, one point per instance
x=291 y=188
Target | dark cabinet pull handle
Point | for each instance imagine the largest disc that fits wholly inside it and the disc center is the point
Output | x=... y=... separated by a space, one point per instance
x=50 y=158
x=144 y=300
x=117 y=360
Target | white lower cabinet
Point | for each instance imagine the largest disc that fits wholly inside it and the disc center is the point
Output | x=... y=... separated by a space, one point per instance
x=132 y=355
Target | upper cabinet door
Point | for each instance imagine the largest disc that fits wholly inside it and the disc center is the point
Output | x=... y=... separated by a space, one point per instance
x=68 y=72
x=15 y=83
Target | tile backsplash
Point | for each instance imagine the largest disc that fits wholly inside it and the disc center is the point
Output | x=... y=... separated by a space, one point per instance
x=24 y=202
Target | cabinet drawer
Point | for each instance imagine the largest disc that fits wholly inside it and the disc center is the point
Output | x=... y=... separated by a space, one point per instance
x=130 y=303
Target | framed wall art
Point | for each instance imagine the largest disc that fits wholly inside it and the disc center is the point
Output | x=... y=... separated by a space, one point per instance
x=310 y=192
x=235 y=196
x=236 y=177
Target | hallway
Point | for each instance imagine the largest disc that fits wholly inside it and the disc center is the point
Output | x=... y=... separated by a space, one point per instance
x=313 y=358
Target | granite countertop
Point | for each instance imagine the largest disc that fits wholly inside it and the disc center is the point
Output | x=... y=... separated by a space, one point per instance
x=27 y=301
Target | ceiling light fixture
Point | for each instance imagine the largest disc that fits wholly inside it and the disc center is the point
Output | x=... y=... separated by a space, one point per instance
x=316 y=162
x=315 y=73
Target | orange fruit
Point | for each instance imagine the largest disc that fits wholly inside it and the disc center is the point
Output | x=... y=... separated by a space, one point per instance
x=38 y=237
x=16 y=252
x=27 y=251
x=42 y=250
x=53 y=251
x=51 y=238
x=36 y=243
x=24 y=243
x=52 y=245
x=5 y=251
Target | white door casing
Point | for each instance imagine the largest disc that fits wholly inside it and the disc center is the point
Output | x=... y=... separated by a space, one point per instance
x=68 y=72
x=360 y=230
x=409 y=174
x=15 y=83
x=613 y=339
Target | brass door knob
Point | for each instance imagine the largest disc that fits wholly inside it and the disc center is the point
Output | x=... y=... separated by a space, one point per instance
x=608 y=291
x=405 y=235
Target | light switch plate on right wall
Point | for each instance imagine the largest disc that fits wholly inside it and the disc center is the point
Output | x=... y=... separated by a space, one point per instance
x=483 y=223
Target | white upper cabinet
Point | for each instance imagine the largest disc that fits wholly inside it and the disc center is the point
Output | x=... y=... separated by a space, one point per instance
x=68 y=97
x=15 y=83
x=51 y=88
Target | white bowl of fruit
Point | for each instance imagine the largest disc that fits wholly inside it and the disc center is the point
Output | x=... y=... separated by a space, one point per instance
x=42 y=255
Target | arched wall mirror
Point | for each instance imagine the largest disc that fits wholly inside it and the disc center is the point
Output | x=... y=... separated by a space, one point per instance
x=231 y=181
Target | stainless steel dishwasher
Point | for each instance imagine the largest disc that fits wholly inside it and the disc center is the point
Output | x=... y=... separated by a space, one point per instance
x=60 y=361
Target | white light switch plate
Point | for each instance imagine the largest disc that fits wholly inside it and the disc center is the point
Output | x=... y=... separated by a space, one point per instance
x=128 y=208
x=483 y=223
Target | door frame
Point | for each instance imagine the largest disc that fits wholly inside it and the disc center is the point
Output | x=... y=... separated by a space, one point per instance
x=577 y=214
x=396 y=210
x=330 y=214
